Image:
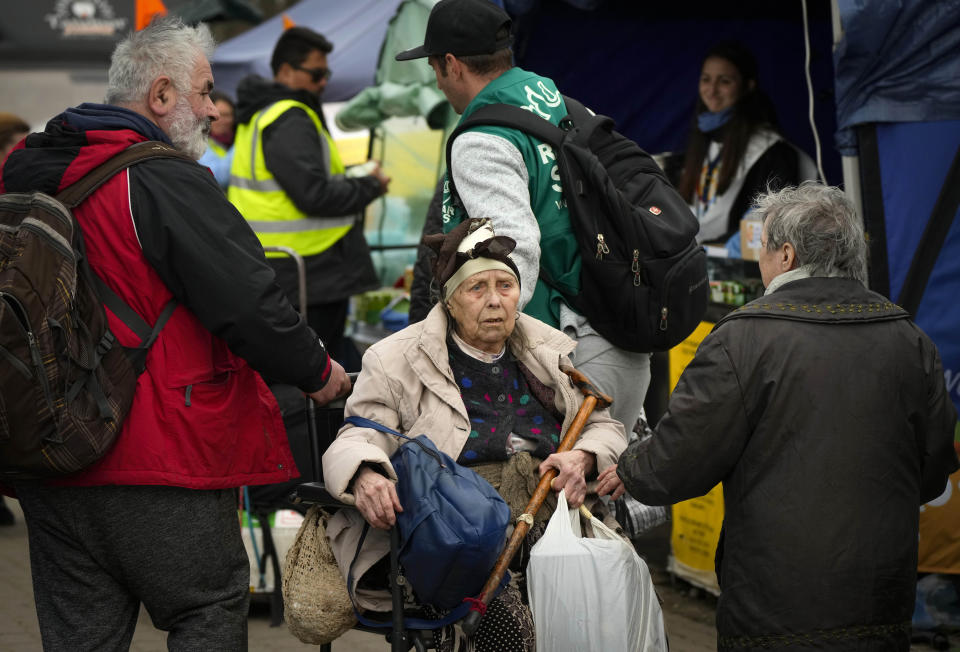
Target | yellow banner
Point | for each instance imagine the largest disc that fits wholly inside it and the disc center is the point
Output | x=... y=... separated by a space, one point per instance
x=696 y=522
x=683 y=353
x=696 y=531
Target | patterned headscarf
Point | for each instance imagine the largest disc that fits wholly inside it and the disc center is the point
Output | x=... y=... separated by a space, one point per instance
x=470 y=248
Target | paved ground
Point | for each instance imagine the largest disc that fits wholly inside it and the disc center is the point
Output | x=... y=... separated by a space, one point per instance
x=688 y=613
x=689 y=621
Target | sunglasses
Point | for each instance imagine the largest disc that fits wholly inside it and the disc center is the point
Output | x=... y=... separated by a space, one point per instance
x=316 y=74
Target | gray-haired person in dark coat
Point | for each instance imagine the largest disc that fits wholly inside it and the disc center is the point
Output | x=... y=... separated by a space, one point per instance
x=822 y=409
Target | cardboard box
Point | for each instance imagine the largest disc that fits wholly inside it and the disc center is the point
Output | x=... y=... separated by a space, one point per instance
x=751 y=233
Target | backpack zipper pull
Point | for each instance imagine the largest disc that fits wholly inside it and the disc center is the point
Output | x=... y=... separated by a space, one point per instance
x=635 y=267
x=602 y=247
x=663 y=318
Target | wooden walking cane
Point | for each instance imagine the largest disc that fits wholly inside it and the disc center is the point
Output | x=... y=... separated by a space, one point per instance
x=592 y=399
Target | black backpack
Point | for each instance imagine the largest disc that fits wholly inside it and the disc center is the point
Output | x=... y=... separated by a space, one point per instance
x=643 y=281
x=65 y=383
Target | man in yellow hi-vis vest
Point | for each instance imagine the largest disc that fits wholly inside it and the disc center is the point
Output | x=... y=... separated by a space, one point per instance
x=287 y=180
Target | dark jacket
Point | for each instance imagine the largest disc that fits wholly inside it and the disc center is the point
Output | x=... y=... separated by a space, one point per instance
x=777 y=168
x=294 y=154
x=822 y=409
x=425 y=291
x=201 y=417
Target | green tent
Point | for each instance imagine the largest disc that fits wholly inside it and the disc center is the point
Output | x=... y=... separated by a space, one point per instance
x=409 y=119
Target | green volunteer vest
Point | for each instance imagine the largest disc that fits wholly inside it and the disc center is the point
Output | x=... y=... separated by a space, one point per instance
x=558 y=246
x=255 y=192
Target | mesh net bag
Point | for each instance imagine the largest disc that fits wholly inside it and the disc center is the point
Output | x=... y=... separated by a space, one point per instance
x=317 y=606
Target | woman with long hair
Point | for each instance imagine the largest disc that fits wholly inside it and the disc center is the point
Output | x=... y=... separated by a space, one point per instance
x=734 y=151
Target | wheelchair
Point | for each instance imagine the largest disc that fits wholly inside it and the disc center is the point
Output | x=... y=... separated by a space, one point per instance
x=400 y=638
x=322 y=428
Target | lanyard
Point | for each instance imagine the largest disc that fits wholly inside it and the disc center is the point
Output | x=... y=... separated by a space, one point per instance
x=707 y=188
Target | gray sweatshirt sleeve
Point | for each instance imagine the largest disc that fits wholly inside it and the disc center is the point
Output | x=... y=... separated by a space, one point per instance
x=492 y=181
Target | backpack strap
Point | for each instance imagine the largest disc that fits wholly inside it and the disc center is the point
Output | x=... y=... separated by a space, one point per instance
x=76 y=192
x=363 y=422
x=503 y=115
x=578 y=118
x=72 y=196
x=931 y=242
x=515 y=117
x=133 y=321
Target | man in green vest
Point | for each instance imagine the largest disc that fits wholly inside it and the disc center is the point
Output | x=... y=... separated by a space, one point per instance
x=512 y=178
x=287 y=179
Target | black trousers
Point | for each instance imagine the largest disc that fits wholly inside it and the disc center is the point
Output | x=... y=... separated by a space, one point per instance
x=97 y=553
x=329 y=320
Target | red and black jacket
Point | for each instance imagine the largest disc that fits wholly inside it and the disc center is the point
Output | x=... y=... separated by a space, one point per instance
x=202 y=417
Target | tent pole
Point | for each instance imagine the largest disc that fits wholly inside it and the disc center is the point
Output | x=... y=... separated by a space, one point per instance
x=850 y=164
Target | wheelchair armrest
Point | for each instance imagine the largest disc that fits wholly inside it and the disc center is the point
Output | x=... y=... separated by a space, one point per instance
x=315 y=493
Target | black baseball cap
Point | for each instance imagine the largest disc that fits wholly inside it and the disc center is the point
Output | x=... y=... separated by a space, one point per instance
x=462 y=28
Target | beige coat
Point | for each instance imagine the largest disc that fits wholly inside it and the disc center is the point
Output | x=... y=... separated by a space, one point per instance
x=407 y=385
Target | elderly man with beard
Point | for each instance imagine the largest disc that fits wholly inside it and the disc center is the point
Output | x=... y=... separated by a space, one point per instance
x=154 y=521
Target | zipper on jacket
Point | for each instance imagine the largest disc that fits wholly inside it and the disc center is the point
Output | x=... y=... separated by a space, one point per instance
x=186 y=395
x=41 y=374
x=602 y=248
x=635 y=267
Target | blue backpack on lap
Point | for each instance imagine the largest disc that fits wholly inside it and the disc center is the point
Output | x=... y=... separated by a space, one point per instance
x=453 y=524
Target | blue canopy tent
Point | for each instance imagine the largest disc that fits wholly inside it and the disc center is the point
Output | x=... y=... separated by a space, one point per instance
x=355 y=28
x=898 y=108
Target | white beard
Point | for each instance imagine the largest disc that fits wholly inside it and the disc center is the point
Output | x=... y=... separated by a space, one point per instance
x=188 y=132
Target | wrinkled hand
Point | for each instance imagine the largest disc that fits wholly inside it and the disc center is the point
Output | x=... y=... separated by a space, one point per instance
x=381 y=177
x=337 y=386
x=573 y=466
x=376 y=499
x=608 y=482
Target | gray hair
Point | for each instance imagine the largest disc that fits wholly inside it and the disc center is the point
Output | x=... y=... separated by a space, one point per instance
x=821 y=224
x=167 y=46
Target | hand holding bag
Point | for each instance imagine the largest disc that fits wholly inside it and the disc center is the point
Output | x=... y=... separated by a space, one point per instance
x=317 y=607
x=591 y=594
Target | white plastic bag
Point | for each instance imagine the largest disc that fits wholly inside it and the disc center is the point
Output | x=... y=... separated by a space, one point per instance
x=591 y=594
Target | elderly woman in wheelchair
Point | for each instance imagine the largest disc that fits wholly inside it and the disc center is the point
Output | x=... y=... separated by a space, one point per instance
x=484 y=383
